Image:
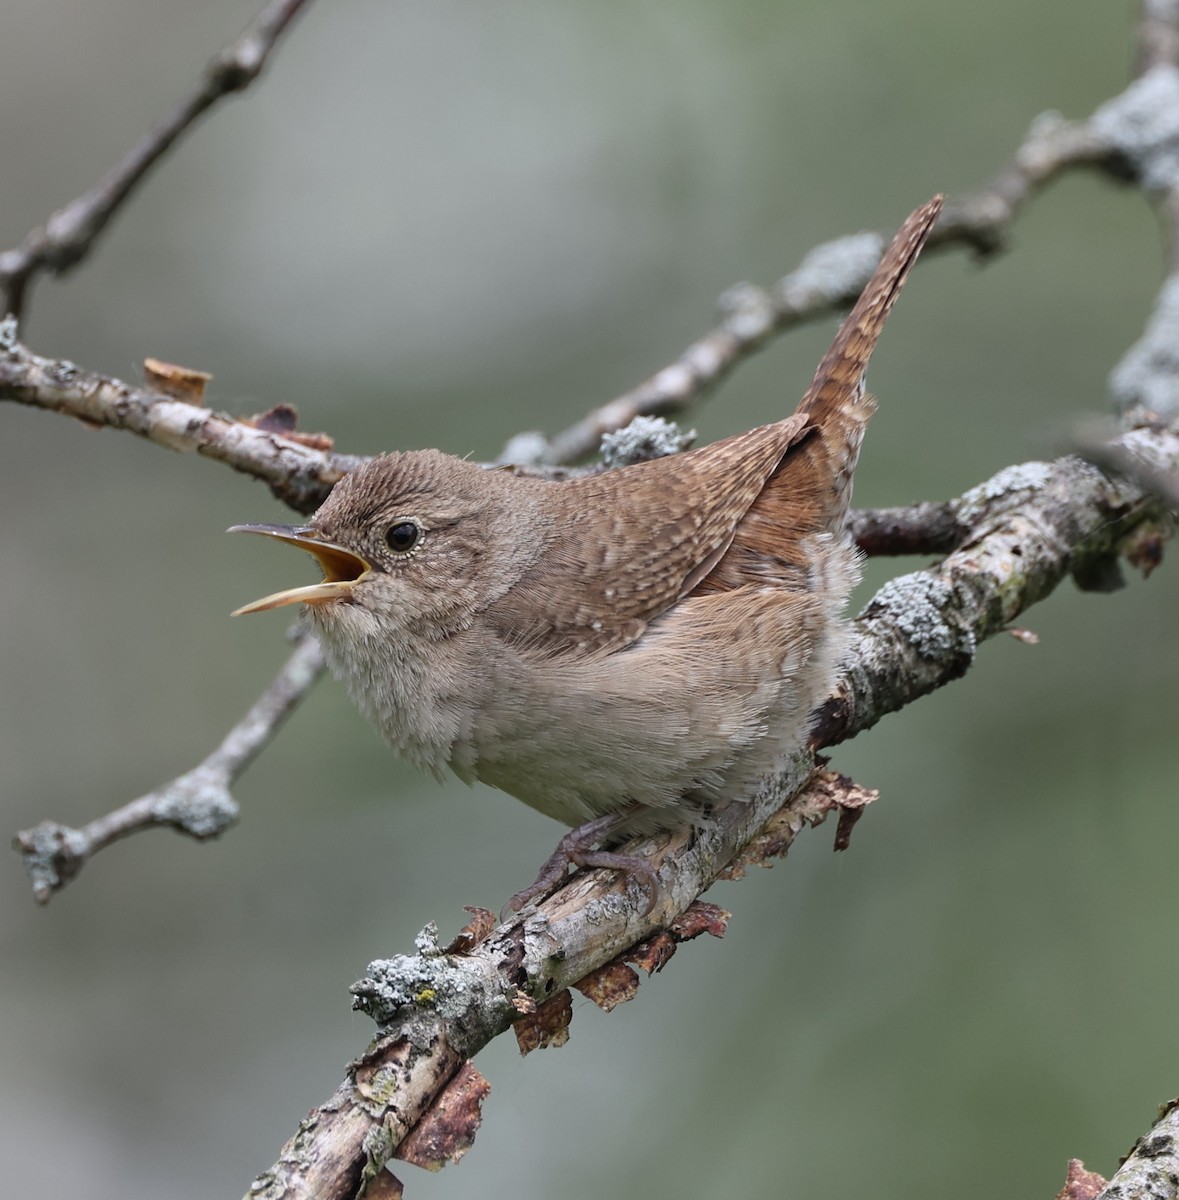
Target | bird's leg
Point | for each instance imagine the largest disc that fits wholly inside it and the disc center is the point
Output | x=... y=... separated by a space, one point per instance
x=576 y=849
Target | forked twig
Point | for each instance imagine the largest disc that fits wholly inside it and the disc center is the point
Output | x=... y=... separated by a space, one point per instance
x=197 y=803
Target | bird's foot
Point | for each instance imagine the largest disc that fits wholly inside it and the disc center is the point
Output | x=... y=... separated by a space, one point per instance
x=576 y=849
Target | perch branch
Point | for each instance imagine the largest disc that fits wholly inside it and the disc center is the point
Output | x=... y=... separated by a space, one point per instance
x=198 y=803
x=68 y=236
x=438 y=1008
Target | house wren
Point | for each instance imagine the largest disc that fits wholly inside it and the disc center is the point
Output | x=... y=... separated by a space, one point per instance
x=647 y=641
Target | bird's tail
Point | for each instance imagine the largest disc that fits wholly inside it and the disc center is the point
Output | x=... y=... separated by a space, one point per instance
x=837 y=402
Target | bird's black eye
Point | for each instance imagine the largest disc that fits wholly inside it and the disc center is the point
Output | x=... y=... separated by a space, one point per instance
x=403 y=536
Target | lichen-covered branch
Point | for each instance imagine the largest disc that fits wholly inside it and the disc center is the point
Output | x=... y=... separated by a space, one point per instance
x=1031 y=525
x=1112 y=456
x=1116 y=139
x=1133 y=136
x=1025 y=530
x=437 y=1008
x=198 y=803
x=67 y=237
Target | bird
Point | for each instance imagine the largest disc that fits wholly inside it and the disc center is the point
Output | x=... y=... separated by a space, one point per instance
x=622 y=651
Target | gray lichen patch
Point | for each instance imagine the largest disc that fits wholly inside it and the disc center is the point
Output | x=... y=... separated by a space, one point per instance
x=52 y=853
x=1012 y=485
x=198 y=803
x=525 y=449
x=1142 y=124
x=917 y=607
x=833 y=271
x=644 y=438
x=749 y=314
x=417 y=991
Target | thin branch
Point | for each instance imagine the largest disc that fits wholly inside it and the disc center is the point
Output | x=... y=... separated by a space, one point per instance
x=1031 y=526
x=1144 y=123
x=1051 y=146
x=829 y=278
x=68 y=236
x=197 y=803
x=298 y=474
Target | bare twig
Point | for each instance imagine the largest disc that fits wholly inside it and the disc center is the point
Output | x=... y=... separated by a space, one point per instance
x=67 y=237
x=198 y=803
x=1144 y=123
x=829 y=277
x=1050 y=147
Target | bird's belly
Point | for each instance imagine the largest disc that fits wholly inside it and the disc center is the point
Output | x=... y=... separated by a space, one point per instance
x=708 y=699
x=688 y=716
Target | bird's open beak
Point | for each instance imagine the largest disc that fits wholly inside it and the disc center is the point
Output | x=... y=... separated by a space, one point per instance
x=342 y=569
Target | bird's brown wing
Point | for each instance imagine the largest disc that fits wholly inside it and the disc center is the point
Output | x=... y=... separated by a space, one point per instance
x=624 y=546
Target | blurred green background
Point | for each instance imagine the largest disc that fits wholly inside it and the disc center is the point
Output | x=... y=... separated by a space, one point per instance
x=441 y=223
